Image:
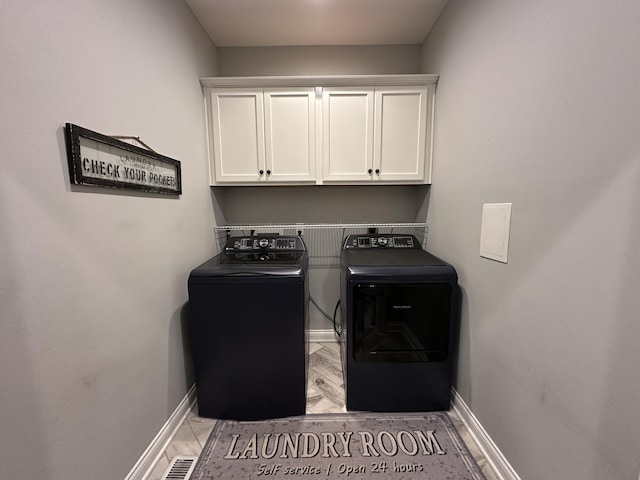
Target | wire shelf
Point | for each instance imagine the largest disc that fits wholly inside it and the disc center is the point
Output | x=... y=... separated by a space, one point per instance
x=323 y=240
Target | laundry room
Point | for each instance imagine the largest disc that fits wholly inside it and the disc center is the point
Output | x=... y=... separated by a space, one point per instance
x=534 y=106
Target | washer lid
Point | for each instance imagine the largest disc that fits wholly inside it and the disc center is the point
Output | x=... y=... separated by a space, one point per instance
x=254 y=264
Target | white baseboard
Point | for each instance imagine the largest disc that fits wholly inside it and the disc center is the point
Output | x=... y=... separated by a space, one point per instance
x=489 y=449
x=322 y=336
x=145 y=465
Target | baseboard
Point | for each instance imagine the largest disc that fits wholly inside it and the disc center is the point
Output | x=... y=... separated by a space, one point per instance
x=146 y=463
x=322 y=336
x=489 y=449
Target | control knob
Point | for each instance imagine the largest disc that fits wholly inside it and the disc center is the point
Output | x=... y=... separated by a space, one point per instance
x=382 y=241
x=263 y=243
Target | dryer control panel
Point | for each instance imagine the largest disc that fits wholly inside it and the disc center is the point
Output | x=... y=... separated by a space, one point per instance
x=382 y=240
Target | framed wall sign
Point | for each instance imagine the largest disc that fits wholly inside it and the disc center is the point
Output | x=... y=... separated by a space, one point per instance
x=96 y=159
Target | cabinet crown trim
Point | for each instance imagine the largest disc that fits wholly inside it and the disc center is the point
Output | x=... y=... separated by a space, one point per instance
x=321 y=81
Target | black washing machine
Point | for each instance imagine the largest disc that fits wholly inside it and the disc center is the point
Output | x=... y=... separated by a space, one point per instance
x=248 y=321
x=399 y=308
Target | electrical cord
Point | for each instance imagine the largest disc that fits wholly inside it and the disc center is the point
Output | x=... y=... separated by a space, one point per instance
x=319 y=308
x=331 y=319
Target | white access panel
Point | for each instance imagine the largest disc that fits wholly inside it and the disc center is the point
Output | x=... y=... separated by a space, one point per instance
x=494 y=232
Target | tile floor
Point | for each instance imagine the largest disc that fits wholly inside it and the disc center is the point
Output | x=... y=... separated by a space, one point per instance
x=325 y=394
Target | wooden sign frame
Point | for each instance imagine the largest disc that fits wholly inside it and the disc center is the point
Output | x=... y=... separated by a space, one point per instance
x=99 y=160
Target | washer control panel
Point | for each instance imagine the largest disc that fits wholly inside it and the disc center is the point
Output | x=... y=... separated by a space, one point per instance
x=383 y=240
x=269 y=242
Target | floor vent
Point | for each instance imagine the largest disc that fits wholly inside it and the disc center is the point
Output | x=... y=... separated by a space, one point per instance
x=180 y=468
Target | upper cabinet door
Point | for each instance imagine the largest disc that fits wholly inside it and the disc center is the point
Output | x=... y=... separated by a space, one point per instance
x=402 y=126
x=290 y=134
x=237 y=134
x=347 y=134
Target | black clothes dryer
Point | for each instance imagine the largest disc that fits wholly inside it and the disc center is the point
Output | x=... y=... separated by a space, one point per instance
x=248 y=320
x=399 y=308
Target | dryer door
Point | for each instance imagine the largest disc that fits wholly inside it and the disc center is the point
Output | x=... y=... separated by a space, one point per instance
x=401 y=323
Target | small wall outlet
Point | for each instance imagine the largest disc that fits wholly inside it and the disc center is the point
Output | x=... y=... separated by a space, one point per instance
x=494 y=232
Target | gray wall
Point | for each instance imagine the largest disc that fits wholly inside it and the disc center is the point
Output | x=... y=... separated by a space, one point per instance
x=327 y=60
x=319 y=204
x=538 y=105
x=330 y=203
x=93 y=282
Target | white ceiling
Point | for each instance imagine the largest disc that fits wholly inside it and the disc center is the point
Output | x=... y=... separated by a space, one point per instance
x=244 y=23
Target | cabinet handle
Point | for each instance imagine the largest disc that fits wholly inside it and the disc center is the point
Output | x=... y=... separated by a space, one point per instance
x=261 y=172
x=378 y=171
x=369 y=171
x=268 y=172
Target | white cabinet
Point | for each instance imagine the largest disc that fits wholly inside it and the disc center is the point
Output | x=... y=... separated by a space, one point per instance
x=261 y=135
x=332 y=130
x=347 y=134
x=377 y=135
x=290 y=135
x=236 y=119
x=402 y=120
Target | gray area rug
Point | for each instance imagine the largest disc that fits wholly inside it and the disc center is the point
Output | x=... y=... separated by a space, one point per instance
x=380 y=446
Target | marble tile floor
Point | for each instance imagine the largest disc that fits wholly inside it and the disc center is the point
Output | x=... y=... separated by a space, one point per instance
x=325 y=394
